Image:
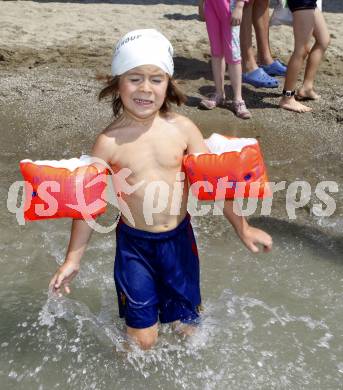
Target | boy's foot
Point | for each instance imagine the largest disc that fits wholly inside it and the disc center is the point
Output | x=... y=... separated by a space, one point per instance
x=240 y=110
x=309 y=94
x=212 y=102
x=289 y=103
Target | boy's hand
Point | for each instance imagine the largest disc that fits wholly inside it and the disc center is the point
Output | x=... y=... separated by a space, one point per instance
x=251 y=237
x=237 y=14
x=63 y=276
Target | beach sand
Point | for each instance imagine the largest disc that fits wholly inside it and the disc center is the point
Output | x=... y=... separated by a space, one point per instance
x=50 y=54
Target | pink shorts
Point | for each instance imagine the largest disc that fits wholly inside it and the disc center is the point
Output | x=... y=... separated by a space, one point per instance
x=224 y=38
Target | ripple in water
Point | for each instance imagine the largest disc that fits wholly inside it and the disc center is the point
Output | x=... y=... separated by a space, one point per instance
x=269 y=321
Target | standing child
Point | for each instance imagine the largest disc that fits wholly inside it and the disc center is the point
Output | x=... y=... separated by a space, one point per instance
x=156 y=265
x=223 y=18
x=308 y=21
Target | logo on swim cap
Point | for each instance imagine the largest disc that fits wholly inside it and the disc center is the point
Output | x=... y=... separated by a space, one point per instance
x=124 y=41
x=143 y=47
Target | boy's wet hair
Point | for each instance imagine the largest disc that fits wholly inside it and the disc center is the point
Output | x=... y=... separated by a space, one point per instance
x=173 y=94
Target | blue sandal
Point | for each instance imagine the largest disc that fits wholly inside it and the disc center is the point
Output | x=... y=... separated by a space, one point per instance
x=276 y=68
x=259 y=79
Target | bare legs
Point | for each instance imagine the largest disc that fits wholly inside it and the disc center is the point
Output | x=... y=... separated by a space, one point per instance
x=260 y=19
x=235 y=73
x=146 y=338
x=322 y=38
x=305 y=24
x=255 y=13
x=218 y=71
x=248 y=56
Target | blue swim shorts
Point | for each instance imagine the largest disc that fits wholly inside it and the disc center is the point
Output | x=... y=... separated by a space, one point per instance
x=157 y=275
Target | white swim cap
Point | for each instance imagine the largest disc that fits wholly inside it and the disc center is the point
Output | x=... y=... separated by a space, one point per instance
x=143 y=47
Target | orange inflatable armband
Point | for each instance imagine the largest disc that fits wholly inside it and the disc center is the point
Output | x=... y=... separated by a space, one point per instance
x=234 y=167
x=63 y=189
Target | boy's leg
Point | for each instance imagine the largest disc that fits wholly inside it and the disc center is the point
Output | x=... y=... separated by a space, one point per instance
x=322 y=40
x=303 y=26
x=134 y=276
x=260 y=18
x=179 y=283
x=184 y=329
x=146 y=338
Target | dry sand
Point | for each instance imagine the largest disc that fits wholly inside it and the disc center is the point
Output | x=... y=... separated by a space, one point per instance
x=51 y=52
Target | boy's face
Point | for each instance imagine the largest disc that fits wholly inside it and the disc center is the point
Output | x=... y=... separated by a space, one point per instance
x=143 y=90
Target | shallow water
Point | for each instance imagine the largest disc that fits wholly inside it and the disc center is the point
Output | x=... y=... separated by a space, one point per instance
x=269 y=322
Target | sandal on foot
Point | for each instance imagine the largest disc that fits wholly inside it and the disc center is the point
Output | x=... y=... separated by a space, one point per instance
x=276 y=68
x=259 y=79
x=240 y=110
x=211 y=102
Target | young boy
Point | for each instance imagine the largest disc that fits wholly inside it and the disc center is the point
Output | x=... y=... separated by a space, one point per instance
x=307 y=21
x=156 y=265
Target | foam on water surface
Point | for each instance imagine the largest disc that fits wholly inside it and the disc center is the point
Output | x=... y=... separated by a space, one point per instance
x=269 y=321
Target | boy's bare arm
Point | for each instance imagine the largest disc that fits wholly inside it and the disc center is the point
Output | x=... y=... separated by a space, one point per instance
x=79 y=237
x=80 y=231
x=195 y=140
x=249 y=235
x=105 y=147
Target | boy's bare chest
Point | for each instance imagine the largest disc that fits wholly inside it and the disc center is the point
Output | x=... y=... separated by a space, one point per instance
x=155 y=152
